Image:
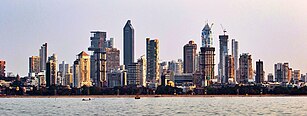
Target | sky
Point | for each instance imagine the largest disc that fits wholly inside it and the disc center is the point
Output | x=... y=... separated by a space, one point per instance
x=271 y=30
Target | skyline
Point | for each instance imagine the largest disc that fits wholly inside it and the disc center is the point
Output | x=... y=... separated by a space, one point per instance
x=39 y=22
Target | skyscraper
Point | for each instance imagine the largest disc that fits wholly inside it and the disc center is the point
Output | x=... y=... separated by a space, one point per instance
x=51 y=71
x=2 y=68
x=189 y=53
x=64 y=69
x=278 y=70
x=245 y=68
x=223 y=53
x=82 y=70
x=34 y=64
x=286 y=75
x=98 y=58
x=142 y=62
x=175 y=66
x=152 y=56
x=296 y=76
x=283 y=72
x=270 y=77
x=69 y=77
x=206 y=56
x=128 y=43
x=229 y=69
x=43 y=53
x=259 y=72
x=235 y=51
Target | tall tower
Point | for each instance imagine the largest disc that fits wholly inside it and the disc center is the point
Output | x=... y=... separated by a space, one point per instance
x=206 y=56
x=189 y=53
x=223 y=53
x=82 y=70
x=259 y=72
x=245 y=67
x=43 y=56
x=278 y=70
x=128 y=43
x=229 y=68
x=142 y=62
x=235 y=51
x=98 y=58
x=51 y=71
x=34 y=64
x=63 y=71
x=152 y=54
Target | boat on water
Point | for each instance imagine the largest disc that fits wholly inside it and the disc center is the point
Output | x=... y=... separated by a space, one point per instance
x=137 y=97
x=89 y=99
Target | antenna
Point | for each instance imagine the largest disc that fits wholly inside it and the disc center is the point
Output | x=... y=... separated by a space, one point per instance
x=224 y=30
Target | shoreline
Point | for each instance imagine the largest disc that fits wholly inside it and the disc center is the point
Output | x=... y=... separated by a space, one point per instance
x=144 y=96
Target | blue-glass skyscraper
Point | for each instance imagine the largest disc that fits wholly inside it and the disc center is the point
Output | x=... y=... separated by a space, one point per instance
x=128 y=43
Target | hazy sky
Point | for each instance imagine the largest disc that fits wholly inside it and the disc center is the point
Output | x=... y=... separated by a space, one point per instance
x=270 y=30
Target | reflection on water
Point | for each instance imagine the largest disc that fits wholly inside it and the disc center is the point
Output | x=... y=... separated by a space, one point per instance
x=155 y=106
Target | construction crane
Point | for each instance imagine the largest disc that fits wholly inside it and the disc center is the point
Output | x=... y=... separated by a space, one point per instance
x=224 y=30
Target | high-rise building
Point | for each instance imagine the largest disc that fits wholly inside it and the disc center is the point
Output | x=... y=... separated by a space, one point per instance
x=98 y=58
x=189 y=53
x=51 y=71
x=2 y=68
x=163 y=66
x=259 y=72
x=223 y=54
x=235 y=52
x=34 y=64
x=278 y=68
x=142 y=62
x=69 y=77
x=43 y=53
x=207 y=64
x=113 y=59
x=296 y=76
x=245 y=68
x=283 y=72
x=290 y=75
x=152 y=56
x=82 y=70
x=64 y=69
x=270 y=77
x=128 y=43
x=117 y=77
x=229 y=69
x=175 y=66
x=133 y=74
x=206 y=56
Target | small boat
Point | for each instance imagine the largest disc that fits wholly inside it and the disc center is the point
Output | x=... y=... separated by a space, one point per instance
x=89 y=99
x=137 y=97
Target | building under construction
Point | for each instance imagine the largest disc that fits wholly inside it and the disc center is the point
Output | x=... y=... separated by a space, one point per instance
x=98 y=58
x=207 y=56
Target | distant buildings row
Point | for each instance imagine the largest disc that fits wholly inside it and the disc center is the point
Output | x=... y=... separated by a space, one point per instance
x=102 y=67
